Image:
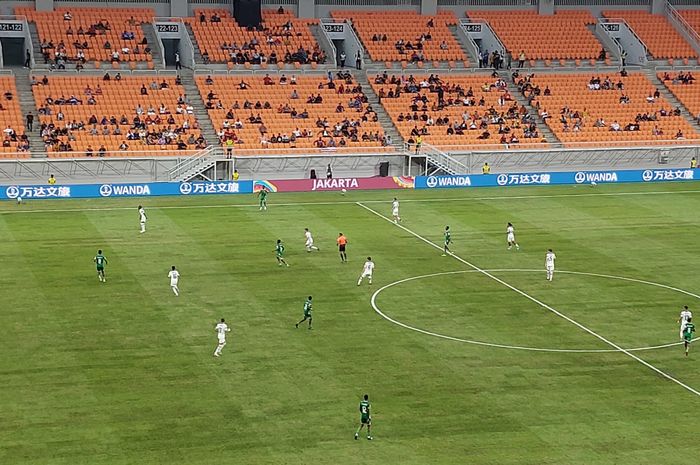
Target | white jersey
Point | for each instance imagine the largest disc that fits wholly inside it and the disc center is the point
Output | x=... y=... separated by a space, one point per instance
x=309 y=238
x=549 y=260
x=368 y=268
x=685 y=316
x=511 y=233
x=174 y=276
x=221 y=330
x=142 y=215
x=395 y=207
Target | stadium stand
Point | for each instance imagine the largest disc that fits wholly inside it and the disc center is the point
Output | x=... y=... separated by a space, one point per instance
x=660 y=37
x=92 y=116
x=456 y=111
x=283 y=39
x=562 y=36
x=680 y=84
x=88 y=35
x=692 y=17
x=253 y=112
x=405 y=36
x=14 y=143
x=606 y=111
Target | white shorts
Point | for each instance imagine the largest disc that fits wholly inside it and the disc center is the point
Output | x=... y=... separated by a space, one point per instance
x=309 y=243
x=173 y=283
x=143 y=221
x=222 y=341
x=511 y=238
x=395 y=212
x=549 y=268
x=366 y=274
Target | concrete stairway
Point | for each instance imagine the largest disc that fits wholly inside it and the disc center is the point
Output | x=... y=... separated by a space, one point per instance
x=26 y=105
x=197 y=52
x=36 y=47
x=322 y=42
x=454 y=29
x=672 y=99
x=152 y=37
x=200 y=112
x=542 y=127
x=384 y=119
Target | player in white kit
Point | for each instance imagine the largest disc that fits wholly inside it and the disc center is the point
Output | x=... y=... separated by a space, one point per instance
x=367 y=271
x=309 y=241
x=221 y=330
x=174 y=276
x=549 y=264
x=510 y=237
x=686 y=315
x=142 y=219
x=395 y=210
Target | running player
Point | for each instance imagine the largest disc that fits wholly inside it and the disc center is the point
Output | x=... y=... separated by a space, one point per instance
x=309 y=244
x=510 y=237
x=100 y=262
x=688 y=332
x=549 y=264
x=307 y=313
x=365 y=418
x=142 y=219
x=448 y=241
x=279 y=252
x=342 y=243
x=262 y=198
x=395 y=210
x=221 y=330
x=174 y=276
x=685 y=316
x=367 y=271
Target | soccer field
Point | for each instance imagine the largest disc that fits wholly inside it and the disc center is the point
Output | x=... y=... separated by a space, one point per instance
x=478 y=360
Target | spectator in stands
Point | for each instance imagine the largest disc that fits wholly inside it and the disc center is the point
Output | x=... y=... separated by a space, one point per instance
x=215 y=18
x=67 y=16
x=202 y=18
x=342 y=59
x=521 y=59
x=45 y=80
x=623 y=58
x=209 y=81
x=107 y=45
x=603 y=55
x=615 y=126
x=679 y=135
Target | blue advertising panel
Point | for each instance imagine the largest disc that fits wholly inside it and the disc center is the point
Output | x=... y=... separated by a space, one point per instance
x=84 y=191
x=550 y=178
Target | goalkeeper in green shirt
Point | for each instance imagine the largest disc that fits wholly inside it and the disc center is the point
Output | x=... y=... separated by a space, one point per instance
x=365 y=418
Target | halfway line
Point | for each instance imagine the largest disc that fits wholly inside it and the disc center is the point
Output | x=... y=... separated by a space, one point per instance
x=538 y=302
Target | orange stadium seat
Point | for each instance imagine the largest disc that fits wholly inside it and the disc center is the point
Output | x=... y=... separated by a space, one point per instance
x=407 y=26
x=10 y=119
x=564 y=35
x=497 y=103
x=211 y=36
x=570 y=94
x=660 y=37
x=692 y=17
x=688 y=94
x=248 y=139
x=117 y=99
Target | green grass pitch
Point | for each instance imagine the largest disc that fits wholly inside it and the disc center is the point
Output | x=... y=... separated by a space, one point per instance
x=122 y=373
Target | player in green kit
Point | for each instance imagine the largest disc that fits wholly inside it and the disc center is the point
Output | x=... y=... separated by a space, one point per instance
x=688 y=332
x=307 y=313
x=365 y=418
x=279 y=252
x=100 y=261
x=262 y=197
x=448 y=241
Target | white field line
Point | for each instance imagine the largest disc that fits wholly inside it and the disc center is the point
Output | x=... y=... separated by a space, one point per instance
x=23 y=208
x=373 y=301
x=538 y=302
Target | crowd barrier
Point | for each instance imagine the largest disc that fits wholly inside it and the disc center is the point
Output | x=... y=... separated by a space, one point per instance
x=82 y=191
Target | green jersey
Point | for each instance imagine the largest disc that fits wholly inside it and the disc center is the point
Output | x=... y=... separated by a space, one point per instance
x=100 y=261
x=364 y=411
x=262 y=195
x=279 y=250
x=688 y=331
x=448 y=237
x=307 y=308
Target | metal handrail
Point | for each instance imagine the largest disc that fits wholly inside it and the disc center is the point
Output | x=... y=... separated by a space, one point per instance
x=620 y=20
x=675 y=14
x=190 y=162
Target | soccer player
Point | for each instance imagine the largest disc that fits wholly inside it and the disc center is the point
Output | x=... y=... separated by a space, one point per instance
x=307 y=313
x=221 y=330
x=279 y=252
x=549 y=264
x=309 y=241
x=448 y=241
x=367 y=271
x=342 y=242
x=685 y=316
x=100 y=261
x=395 y=210
x=510 y=237
x=142 y=219
x=688 y=335
x=365 y=418
x=174 y=276
x=262 y=198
